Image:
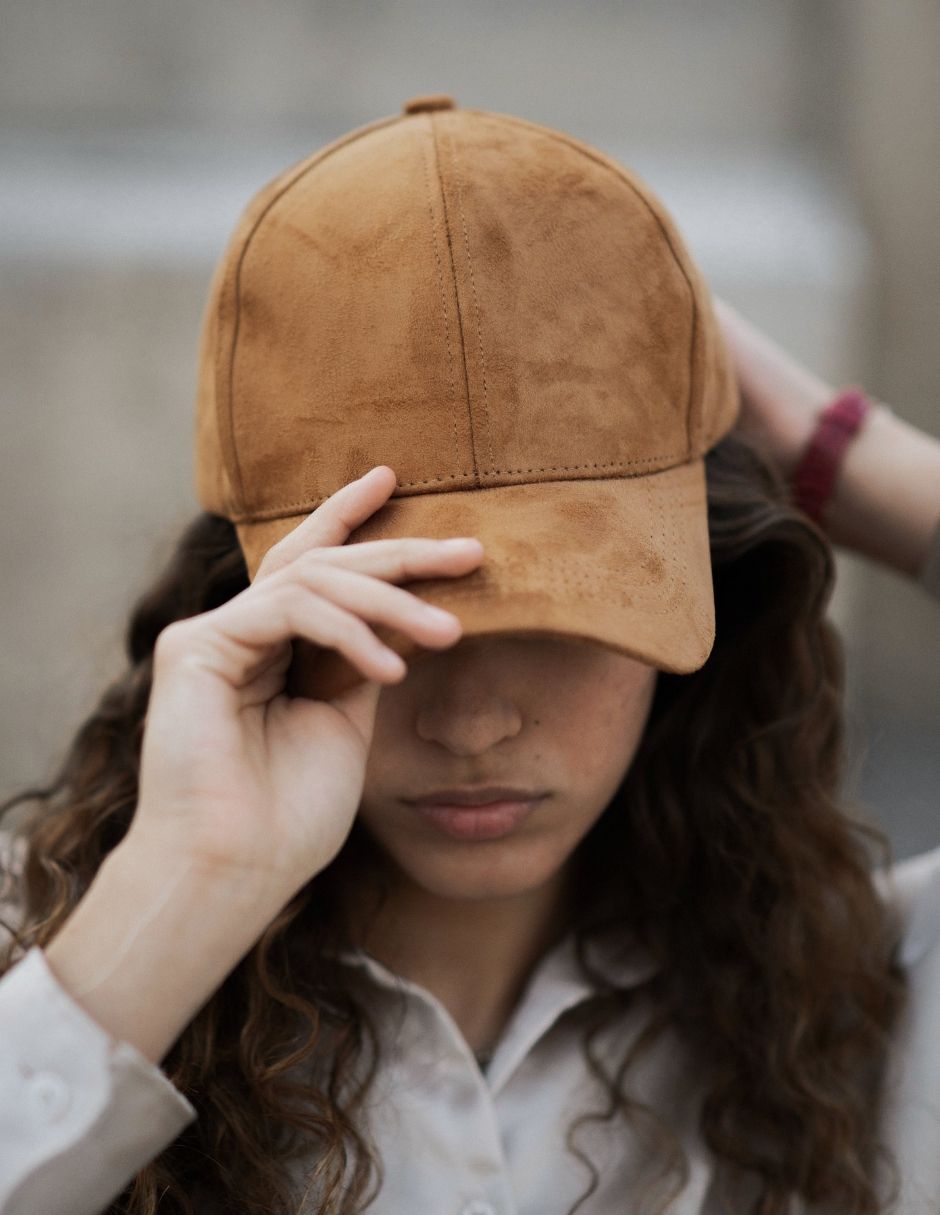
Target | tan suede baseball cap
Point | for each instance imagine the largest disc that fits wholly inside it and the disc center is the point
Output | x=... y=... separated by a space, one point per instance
x=510 y=320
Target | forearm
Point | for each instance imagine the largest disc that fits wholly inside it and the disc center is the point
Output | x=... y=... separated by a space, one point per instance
x=886 y=500
x=152 y=939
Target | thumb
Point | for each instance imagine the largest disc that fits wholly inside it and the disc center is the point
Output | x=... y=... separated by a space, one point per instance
x=358 y=704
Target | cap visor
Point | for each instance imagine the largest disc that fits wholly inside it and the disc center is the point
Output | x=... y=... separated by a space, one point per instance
x=623 y=562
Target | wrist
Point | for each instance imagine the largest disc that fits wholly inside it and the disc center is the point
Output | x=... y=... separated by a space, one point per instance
x=835 y=429
x=151 y=940
x=885 y=501
x=148 y=846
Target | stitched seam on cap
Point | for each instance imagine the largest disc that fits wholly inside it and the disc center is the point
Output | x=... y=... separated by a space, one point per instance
x=694 y=336
x=697 y=615
x=440 y=279
x=645 y=596
x=575 y=590
x=618 y=172
x=473 y=290
x=308 y=163
x=463 y=340
x=308 y=504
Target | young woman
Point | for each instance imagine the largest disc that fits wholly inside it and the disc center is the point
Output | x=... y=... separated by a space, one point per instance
x=248 y=974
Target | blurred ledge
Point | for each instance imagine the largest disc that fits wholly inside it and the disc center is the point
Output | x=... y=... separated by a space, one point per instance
x=750 y=214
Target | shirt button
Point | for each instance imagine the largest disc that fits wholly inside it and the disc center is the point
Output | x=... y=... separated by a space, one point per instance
x=49 y=1094
x=478 y=1206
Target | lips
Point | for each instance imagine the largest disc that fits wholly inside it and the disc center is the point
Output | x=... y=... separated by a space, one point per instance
x=477 y=822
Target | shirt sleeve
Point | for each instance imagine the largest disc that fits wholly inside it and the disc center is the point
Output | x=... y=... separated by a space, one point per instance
x=912 y=1109
x=913 y=886
x=81 y=1112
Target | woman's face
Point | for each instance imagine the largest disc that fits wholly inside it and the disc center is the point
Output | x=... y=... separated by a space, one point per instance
x=558 y=716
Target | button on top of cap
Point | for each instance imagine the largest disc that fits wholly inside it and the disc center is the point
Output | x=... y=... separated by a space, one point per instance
x=428 y=101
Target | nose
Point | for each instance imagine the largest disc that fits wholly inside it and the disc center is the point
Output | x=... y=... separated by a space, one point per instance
x=467 y=717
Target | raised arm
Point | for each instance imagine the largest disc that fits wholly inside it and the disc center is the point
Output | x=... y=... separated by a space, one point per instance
x=245 y=794
x=886 y=500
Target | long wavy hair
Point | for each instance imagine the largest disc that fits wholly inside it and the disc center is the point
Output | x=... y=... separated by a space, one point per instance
x=728 y=849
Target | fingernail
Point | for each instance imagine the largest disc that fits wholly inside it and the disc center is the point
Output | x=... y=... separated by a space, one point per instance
x=436 y=613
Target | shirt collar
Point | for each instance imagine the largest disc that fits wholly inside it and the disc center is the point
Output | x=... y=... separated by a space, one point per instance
x=617 y=954
x=556 y=984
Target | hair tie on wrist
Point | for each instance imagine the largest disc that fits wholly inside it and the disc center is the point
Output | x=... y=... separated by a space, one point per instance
x=815 y=475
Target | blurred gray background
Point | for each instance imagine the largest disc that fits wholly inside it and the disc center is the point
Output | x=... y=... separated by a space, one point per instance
x=795 y=141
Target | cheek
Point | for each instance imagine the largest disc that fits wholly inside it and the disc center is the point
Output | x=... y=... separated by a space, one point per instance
x=605 y=721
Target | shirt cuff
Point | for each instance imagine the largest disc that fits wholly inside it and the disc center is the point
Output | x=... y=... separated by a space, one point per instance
x=81 y=1112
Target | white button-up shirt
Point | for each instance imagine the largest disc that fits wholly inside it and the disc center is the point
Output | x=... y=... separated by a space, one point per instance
x=81 y=1113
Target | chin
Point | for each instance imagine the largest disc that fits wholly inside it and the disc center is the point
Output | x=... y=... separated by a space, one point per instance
x=497 y=869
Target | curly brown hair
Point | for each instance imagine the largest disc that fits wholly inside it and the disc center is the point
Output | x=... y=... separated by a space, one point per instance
x=738 y=864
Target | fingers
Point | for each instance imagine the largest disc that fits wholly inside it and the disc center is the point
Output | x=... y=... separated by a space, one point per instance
x=767 y=372
x=401 y=559
x=328 y=604
x=377 y=601
x=334 y=519
x=315 y=586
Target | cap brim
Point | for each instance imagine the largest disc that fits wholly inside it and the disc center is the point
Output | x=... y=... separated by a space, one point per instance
x=623 y=562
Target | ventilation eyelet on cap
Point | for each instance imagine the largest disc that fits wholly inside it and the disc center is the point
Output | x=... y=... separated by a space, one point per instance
x=428 y=101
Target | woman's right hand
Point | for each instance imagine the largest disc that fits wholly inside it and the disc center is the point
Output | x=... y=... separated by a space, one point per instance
x=235 y=772
x=781 y=399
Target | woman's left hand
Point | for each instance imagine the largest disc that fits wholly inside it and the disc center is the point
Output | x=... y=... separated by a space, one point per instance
x=885 y=503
